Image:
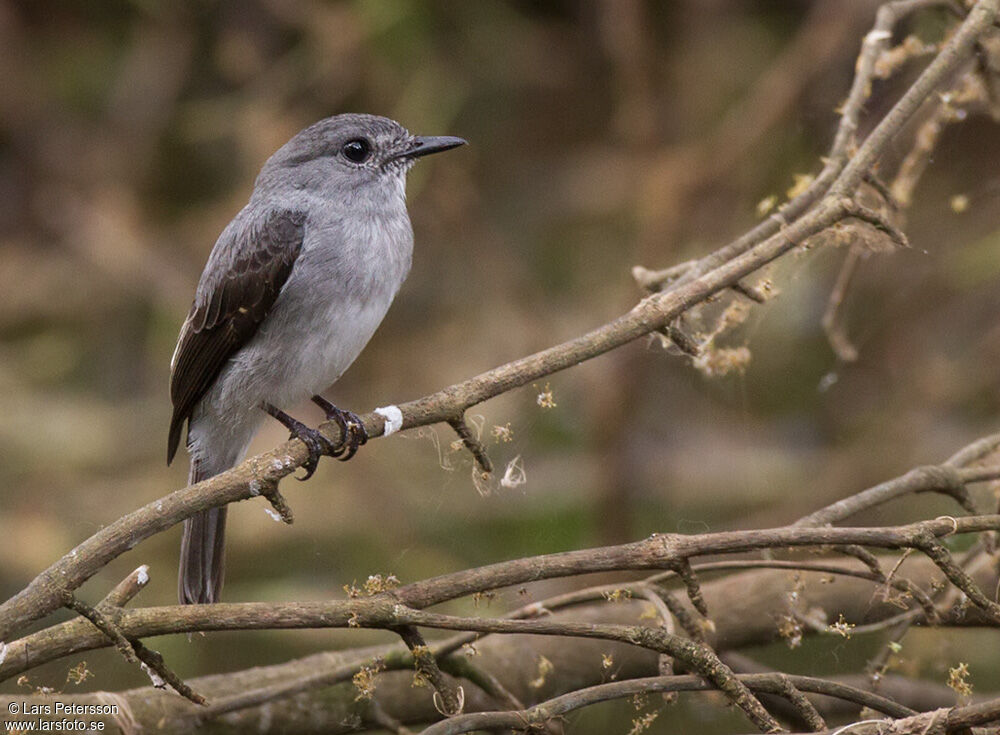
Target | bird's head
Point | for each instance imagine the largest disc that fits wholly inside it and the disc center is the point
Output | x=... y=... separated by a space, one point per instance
x=349 y=157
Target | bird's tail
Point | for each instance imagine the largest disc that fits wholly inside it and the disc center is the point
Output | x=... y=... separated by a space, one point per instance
x=203 y=553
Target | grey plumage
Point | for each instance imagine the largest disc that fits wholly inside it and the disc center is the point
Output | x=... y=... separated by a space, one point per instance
x=294 y=288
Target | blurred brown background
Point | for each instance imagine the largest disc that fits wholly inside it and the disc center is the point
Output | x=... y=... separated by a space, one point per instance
x=603 y=135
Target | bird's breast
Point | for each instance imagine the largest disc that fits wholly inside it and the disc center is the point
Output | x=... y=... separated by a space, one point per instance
x=339 y=291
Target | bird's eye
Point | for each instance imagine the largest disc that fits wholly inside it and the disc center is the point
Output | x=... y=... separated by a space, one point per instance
x=356 y=150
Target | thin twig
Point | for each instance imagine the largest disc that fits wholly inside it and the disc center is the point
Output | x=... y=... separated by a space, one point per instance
x=126 y=590
x=833 y=316
x=665 y=663
x=472 y=444
x=103 y=624
x=134 y=651
x=162 y=675
x=277 y=500
x=452 y=699
x=946 y=479
x=958 y=577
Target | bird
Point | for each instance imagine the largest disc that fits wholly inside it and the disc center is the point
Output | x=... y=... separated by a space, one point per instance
x=292 y=291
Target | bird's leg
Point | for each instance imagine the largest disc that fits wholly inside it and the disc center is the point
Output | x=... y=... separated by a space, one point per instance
x=316 y=443
x=352 y=429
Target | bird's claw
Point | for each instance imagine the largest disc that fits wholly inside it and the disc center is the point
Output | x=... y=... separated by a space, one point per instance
x=316 y=444
x=352 y=429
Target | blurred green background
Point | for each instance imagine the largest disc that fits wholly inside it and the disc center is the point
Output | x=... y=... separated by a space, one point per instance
x=603 y=134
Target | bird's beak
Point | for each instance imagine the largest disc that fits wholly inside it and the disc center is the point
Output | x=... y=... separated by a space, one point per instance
x=424 y=145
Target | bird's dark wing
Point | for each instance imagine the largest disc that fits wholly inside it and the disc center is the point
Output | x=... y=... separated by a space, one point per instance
x=241 y=282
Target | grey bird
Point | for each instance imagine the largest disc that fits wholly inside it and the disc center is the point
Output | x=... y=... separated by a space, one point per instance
x=294 y=288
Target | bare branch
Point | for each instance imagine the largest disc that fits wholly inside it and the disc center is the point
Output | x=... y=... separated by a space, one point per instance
x=472 y=444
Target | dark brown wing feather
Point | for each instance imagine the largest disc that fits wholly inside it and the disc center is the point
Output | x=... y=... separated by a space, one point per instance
x=240 y=284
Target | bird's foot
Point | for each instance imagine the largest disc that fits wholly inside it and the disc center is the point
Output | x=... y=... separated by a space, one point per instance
x=352 y=429
x=316 y=443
